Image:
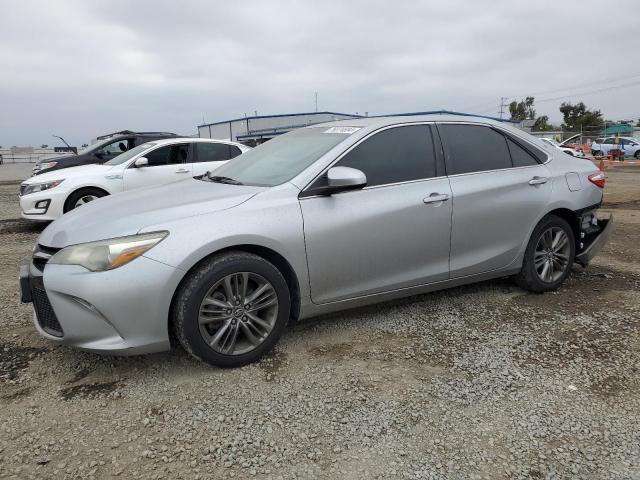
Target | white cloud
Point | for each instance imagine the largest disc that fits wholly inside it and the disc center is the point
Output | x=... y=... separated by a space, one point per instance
x=81 y=68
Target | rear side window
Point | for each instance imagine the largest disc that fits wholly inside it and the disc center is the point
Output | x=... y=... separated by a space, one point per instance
x=394 y=155
x=215 y=152
x=520 y=156
x=474 y=148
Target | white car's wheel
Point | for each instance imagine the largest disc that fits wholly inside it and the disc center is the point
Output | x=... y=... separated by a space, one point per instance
x=81 y=197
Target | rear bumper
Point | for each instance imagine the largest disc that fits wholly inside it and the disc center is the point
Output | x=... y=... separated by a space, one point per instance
x=594 y=244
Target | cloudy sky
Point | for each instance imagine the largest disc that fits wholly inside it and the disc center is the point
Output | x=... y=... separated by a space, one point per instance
x=83 y=68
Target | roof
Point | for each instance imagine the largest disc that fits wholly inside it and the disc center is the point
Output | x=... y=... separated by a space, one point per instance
x=165 y=141
x=381 y=121
x=353 y=116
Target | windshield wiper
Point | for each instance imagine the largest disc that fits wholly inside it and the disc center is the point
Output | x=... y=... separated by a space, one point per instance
x=227 y=180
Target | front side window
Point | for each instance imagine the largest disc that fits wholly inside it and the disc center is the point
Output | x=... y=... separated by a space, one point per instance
x=215 y=152
x=169 y=155
x=474 y=148
x=117 y=147
x=394 y=155
x=608 y=141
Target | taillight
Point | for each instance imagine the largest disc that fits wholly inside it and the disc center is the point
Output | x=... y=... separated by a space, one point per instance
x=597 y=179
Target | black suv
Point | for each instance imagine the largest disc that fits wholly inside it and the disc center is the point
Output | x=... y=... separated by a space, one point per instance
x=105 y=148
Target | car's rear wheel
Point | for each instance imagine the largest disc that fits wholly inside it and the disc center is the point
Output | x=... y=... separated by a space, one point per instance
x=549 y=256
x=82 y=197
x=637 y=155
x=231 y=310
x=597 y=153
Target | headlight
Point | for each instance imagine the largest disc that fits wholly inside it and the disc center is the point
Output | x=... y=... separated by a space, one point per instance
x=39 y=187
x=44 y=166
x=107 y=254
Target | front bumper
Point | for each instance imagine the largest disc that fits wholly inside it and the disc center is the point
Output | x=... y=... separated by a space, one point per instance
x=45 y=205
x=594 y=243
x=124 y=311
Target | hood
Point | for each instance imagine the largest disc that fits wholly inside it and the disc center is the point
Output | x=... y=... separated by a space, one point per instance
x=56 y=159
x=126 y=213
x=70 y=172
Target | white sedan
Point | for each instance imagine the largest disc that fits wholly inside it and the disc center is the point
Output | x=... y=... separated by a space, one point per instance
x=49 y=195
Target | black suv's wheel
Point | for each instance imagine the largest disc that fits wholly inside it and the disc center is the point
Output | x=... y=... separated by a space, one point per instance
x=549 y=256
x=82 y=196
x=231 y=310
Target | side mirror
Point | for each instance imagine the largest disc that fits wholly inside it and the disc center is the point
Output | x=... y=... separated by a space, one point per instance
x=141 y=162
x=340 y=179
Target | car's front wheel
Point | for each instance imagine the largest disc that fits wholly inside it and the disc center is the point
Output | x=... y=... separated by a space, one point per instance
x=596 y=153
x=81 y=197
x=549 y=256
x=637 y=155
x=231 y=309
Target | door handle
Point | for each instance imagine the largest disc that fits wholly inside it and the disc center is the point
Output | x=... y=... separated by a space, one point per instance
x=182 y=170
x=538 y=180
x=436 y=198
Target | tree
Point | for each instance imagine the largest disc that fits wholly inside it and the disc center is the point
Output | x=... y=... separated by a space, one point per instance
x=542 y=125
x=522 y=110
x=44 y=145
x=84 y=145
x=578 y=117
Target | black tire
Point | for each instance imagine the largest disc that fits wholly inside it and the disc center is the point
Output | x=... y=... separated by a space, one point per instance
x=596 y=153
x=637 y=155
x=529 y=278
x=196 y=285
x=73 y=199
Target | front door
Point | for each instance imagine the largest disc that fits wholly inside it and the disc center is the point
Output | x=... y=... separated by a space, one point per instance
x=500 y=190
x=392 y=234
x=166 y=164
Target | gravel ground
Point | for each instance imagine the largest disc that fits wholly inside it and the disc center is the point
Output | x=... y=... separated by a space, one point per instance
x=484 y=381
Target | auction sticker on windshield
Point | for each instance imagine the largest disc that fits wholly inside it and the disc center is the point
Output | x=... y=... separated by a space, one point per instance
x=342 y=130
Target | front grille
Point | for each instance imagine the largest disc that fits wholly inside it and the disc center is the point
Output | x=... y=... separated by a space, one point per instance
x=41 y=256
x=44 y=312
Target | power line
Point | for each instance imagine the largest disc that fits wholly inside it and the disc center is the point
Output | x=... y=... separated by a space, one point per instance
x=610 y=79
x=591 y=92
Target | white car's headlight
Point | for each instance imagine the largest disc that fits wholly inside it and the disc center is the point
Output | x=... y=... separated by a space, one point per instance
x=107 y=254
x=39 y=187
x=44 y=166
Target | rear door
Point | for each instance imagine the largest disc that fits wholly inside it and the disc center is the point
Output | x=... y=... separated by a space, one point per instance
x=500 y=189
x=209 y=156
x=167 y=164
x=392 y=234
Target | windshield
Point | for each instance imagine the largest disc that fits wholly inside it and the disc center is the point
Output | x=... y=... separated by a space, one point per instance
x=129 y=154
x=92 y=147
x=279 y=160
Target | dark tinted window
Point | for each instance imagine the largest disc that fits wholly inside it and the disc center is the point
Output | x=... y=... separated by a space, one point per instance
x=168 y=155
x=474 y=148
x=608 y=141
x=215 y=152
x=520 y=156
x=394 y=155
x=234 y=151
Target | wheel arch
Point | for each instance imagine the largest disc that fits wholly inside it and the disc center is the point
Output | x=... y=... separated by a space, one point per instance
x=571 y=217
x=277 y=259
x=84 y=187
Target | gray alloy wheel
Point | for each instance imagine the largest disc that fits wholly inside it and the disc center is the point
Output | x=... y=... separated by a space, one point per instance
x=238 y=313
x=84 y=199
x=552 y=254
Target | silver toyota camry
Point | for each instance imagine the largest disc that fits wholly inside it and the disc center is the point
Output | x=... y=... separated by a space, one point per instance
x=324 y=218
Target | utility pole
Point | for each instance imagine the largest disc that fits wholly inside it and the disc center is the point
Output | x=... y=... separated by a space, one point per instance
x=502 y=105
x=316 y=98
